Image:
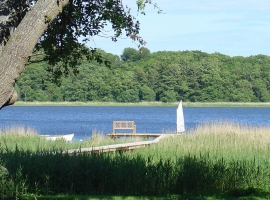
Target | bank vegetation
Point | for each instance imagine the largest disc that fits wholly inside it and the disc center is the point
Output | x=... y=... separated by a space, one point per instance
x=215 y=158
x=165 y=76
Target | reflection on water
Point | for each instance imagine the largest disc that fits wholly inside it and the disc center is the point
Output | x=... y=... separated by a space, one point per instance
x=83 y=120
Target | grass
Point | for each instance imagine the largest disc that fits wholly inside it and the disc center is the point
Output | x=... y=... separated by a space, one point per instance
x=220 y=160
x=95 y=197
x=244 y=194
x=28 y=139
x=188 y=104
x=217 y=140
x=225 y=154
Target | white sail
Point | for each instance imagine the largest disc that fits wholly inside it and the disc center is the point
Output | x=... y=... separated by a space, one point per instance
x=180 y=123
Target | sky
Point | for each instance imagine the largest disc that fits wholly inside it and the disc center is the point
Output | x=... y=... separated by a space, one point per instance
x=230 y=27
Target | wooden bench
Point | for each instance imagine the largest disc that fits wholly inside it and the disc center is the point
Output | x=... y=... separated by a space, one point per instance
x=124 y=125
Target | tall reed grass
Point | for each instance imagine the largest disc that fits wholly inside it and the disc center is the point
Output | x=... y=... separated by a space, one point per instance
x=218 y=140
x=24 y=138
x=218 y=156
x=214 y=157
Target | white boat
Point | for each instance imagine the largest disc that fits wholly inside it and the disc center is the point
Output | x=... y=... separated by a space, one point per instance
x=67 y=137
x=180 y=122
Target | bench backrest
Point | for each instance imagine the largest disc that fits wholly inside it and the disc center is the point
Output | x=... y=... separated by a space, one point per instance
x=124 y=125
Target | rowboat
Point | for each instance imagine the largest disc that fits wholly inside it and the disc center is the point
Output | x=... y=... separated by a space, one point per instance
x=67 y=137
x=180 y=122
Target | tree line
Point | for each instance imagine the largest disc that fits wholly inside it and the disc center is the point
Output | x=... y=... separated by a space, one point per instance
x=167 y=76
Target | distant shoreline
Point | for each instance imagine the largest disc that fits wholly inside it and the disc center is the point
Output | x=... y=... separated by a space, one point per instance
x=185 y=104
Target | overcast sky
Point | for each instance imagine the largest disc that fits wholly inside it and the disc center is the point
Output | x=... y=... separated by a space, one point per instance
x=230 y=27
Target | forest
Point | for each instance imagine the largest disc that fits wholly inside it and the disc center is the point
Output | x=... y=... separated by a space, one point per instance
x=139 y=75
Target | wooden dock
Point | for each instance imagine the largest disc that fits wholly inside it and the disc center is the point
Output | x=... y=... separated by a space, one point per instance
x=119 y=147
x=147 y=135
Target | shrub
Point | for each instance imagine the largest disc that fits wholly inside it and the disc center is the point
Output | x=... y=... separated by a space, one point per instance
x=6 y=184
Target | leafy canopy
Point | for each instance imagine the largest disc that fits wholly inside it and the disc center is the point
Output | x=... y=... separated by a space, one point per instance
x=79 y=20
x=84 y=19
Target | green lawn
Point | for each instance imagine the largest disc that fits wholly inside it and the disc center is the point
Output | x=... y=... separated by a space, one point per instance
x=245 y=194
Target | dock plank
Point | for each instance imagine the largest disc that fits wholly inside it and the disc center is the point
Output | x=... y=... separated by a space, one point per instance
x=116 y=147
x=134 y=135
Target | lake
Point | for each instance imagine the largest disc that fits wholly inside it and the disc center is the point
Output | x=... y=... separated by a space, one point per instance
x=83 y=120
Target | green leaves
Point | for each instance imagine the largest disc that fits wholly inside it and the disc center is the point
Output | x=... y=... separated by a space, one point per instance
x=161 y=76
x=131 y=54
x=83 y=19
x=6 y=184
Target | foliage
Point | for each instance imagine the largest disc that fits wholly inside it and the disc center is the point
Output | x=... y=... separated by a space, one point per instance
x=59 y=30
x=161 y=76
x=131 y=54
x=75 y=25
x=6 y=184
x=84 y=19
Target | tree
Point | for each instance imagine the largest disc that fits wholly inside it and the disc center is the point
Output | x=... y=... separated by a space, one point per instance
x=131 y=54
x=53 y=27
x=147 y=94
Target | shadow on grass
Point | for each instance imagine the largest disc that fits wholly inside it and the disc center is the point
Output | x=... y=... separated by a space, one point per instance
x=249 y=193
x=243 y=194
x=48 y=173
x=92 y=197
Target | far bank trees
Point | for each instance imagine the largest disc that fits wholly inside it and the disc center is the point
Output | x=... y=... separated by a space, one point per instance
x=160 y=76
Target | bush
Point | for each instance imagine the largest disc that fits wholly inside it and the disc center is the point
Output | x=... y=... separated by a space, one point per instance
x=6 y=184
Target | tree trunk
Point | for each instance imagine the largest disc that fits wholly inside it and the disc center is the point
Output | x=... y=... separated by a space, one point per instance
x=18 y=49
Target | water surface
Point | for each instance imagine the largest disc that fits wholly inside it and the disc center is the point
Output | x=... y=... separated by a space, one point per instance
x=83 y=120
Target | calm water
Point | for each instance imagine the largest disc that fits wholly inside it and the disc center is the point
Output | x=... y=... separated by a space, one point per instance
x=83 y=120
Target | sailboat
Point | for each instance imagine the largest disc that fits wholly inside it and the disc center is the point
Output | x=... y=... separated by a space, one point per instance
x=180 y=122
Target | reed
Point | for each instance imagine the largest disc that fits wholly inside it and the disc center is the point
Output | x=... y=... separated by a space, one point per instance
x=25 y=138
x=225 y=154
x=218 y=139
x=18 y=131
x=213 y=158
